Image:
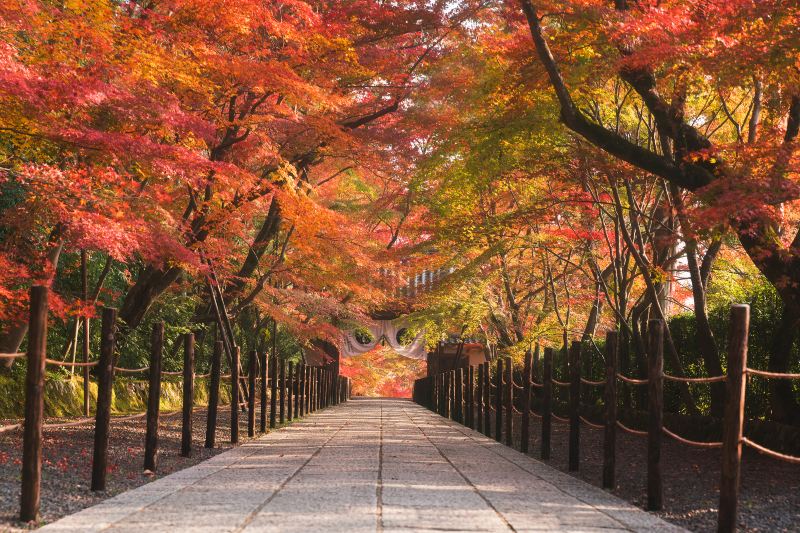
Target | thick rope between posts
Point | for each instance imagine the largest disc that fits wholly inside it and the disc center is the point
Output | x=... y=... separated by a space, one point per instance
x=12 y=355
x=590 y=424
x=593 y=383
x=775 y=455
x=532 y=412
x=633 y=381
x=713 y=379
x=561 y=383
x=626 y=429
x=131 y=370
x=694 y=443
x=559 y=419
x=775 y=375
x=90 y=420
x=66 y=363
x=538 y=385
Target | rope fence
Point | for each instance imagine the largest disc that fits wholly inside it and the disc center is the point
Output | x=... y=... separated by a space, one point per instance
x=307 y=390
x=499 y=401
x=695 y=443
x=632 y=381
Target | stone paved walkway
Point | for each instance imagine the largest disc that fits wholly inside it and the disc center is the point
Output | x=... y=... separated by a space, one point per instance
x=367 y=465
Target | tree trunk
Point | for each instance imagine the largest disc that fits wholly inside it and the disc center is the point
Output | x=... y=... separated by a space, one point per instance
x=706 y=343
x=151 y=283
x=781 y=395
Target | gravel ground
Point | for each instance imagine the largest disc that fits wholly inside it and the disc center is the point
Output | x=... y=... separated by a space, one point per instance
x=769 y=501
x=66 y=472
x=770 y=492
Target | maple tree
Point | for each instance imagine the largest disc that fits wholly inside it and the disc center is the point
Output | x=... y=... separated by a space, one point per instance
x=293 y=165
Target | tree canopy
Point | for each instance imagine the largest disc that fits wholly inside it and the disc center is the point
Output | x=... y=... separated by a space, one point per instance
x=572 y=166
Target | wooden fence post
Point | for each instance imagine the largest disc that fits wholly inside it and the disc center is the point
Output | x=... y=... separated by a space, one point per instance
x=509 y=400
x=479 y=394
x=442 y=393
x=451 y=398
x=446 y=394
x=655 y=421
x=317 y=378
x=273 y=389
x=213 y=394
x=610 y=427
x=153 y=398
x=498 y=428
x=290 y=393
x=574 y=405
x=734 y=419
x=34 y=405
x=487 y=401
x=325 y=388
x=525 y=430
x=188 y=395
x=263 y=390
x=313 y=385
x=301 y=389
x=458 y=410
x=310 y=386
x=105 y=383
x=470 y=397
x=435 y=393
x=308 y=389
x=322 y=389
x=318 y=385
x=547 y=402
x=235 y=395
x=87 y=333
x=252 y=370
x=282 y=391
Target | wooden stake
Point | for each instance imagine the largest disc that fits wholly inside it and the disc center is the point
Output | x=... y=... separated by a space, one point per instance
x=290 y=393
x=574 y=406
x=458 y=411
x=301 y=389
x=525 y=430
x=509 y=401
x=87 y=333
x=308 y=389
x=547 y=402
x=252 y=370
x=655 y=423
x=263 y=399
x=734 y=419
x=154 y=398
x=487 y=401
x=34 y=405
x=105 y=384
x=479 y=406
x=282 y=391
x=470 y=397
x=188 y=394
x=610 y=428
x=235 y=396
x=498 y=428
x=273 y=388
x=213 y=394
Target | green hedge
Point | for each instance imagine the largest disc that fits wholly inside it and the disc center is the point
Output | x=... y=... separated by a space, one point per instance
x=64 y=395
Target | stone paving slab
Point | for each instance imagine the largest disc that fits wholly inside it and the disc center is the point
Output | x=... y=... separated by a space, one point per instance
x=370 y=465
